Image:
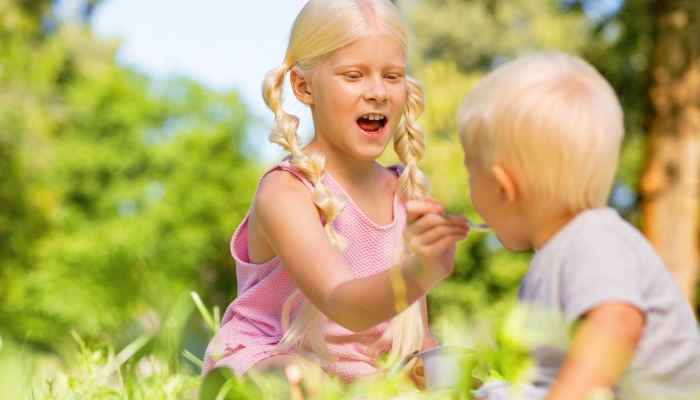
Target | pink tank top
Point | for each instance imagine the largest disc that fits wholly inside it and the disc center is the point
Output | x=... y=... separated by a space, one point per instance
x=251 y=327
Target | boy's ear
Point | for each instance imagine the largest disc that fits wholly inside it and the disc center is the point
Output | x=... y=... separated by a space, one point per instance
x=300 y=86
x=506 y=183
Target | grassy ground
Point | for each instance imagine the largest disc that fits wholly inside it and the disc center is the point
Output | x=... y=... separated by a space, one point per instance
x=154 y=366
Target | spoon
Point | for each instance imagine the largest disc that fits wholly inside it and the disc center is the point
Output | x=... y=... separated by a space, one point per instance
x=472 y=225
x=478 y=227
x=400 y=364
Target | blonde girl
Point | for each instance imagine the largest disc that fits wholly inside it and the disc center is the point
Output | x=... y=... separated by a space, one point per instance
x=324 y=257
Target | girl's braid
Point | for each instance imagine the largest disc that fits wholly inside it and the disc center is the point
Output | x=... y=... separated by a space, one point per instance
x=406 y=330
x=408 y=144
x=284 y=133
x=328 y=202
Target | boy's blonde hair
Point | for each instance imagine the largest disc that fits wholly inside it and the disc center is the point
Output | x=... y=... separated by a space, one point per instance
x=322 y=27
x=553 y=122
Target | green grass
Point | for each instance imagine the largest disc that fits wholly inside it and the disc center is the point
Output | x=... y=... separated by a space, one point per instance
x=151 y=366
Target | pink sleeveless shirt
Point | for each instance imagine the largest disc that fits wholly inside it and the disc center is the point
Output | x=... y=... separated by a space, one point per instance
x=252 y=327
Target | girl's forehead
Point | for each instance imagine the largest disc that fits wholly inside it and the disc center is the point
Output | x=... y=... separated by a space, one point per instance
x=374 y=48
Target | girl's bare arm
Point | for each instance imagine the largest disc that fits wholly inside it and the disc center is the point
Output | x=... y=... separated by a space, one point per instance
x=287 y=217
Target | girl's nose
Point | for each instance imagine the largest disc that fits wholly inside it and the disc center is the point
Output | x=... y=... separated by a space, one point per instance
x=376 y=91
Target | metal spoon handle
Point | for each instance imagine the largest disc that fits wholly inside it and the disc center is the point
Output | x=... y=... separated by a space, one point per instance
x=397 y=367
x=474 y=227
x=478 y=227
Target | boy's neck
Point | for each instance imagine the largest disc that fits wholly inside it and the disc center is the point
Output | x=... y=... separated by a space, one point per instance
x=545 y=227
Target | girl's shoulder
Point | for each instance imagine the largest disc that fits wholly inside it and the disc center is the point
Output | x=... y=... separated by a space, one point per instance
x=284 y=183
x=396 y=169
x=281 y=182
x=392 y=175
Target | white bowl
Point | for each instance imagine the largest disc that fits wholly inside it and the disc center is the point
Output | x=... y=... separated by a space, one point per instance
x=443 y=366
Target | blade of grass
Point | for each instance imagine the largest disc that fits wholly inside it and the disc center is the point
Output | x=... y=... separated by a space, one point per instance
x=225 y=389
x=80 y=341
x=196 y=361
x=205 y=313
x=131 y=349
x=217 y=316
x=128 y=352
x=166 y=345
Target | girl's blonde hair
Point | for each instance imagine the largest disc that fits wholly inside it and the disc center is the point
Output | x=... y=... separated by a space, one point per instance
x=322 y=27
x=554 y=122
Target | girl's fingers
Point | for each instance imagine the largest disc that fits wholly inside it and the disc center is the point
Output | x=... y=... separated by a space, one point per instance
x=436 y=233
x=429 y=221
x=416 y=209
x=441 y=246
x=457 y=217
x=432 y=235
x=432 y=200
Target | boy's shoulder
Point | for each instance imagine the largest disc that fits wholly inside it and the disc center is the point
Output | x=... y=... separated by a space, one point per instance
x=596 y=257
x=599 y=258
x=598 y=234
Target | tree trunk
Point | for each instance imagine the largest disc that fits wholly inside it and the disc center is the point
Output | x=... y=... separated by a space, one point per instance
x=669 y=185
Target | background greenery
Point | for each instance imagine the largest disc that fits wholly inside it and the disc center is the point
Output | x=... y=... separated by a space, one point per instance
x=119 y=193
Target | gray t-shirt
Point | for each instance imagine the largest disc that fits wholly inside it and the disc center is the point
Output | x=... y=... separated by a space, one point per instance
x=599 y=258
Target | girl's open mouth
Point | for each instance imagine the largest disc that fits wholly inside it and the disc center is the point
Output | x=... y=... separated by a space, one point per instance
x=372 y=124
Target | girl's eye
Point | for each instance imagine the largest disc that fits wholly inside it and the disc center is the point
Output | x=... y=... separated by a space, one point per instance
x=392 y=77
x=353 y=75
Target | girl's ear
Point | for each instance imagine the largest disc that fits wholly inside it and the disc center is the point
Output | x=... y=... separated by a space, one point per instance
x=506 y=183
x=300 y=86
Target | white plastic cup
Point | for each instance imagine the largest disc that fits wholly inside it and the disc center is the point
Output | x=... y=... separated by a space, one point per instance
x=441 y=366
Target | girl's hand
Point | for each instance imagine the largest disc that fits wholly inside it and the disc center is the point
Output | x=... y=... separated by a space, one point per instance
x=432 y=237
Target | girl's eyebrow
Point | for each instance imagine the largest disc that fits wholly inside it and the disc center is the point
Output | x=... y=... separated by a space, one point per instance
x=365 y=65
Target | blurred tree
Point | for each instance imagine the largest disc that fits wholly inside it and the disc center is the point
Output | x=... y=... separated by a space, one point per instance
x=669 y=186
x=478 y=35
x=117 y=193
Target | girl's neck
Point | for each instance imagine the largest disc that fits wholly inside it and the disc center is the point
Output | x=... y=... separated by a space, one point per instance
x=344 y=167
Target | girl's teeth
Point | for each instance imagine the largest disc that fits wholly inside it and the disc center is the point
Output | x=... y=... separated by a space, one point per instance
x=373 y=117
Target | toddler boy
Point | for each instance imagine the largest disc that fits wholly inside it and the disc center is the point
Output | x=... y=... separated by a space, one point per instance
x=541 y=137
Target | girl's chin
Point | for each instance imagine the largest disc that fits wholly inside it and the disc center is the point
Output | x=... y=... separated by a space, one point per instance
x=369 y=151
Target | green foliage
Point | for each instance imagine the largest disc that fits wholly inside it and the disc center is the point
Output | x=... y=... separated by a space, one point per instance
x=494 y=334
x=475 y=34
x=117 y=193
x=102 y=374
x=621 y=52
x=146 y=369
